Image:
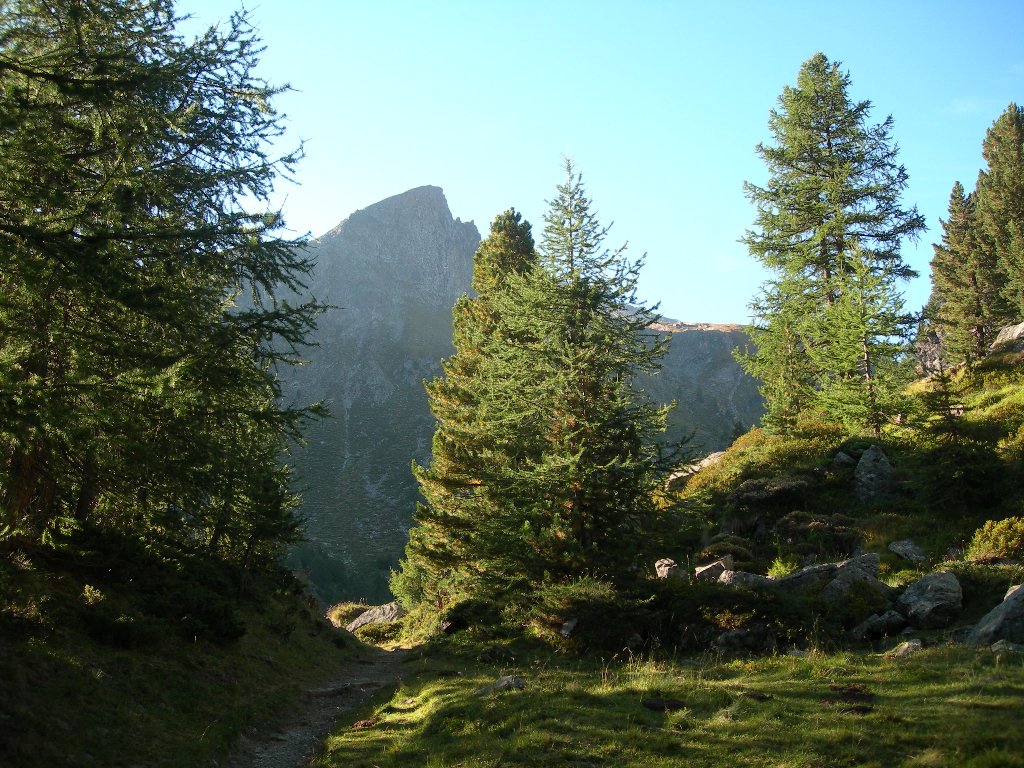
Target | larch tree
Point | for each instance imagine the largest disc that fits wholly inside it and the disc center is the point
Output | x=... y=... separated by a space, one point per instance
x=832 y=202
x=139 y=333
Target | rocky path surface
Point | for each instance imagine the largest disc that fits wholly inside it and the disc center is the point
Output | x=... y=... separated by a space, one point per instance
x=294 y=742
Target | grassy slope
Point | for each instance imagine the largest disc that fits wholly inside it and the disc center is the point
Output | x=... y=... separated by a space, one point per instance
x=940 y=707
x=105 y=674
x=944 y=706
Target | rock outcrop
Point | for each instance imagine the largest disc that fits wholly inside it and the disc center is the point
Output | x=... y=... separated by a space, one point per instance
x=1004 y=622
x=932 y=602
x=393 y=270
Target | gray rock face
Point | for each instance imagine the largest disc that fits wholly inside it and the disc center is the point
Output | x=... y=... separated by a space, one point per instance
x=932 y=602
x=712 y=571
x=382 y=614
x=699 y=372
x=873 y=476
x=1004 y=622
x=1009 y=339
x=393 y=270
x=744 y=579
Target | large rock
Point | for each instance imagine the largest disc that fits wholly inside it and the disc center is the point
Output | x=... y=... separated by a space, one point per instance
x=856 y=573
x=744 y=579
x=873 y=476
x=932 y=602
x=666 y=568
x=908 y=550
x=1004 y=622
x=382 y=614
x=1009 y=339
x=712 y=571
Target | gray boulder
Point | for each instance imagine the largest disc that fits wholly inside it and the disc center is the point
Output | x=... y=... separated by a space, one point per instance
x=712 y=571
x=382 y=614
x=808 y=578
x=666 y=568
x=873 y=476
x=843 y=459
x=908 y=550
x=1009 y=339
x=857 y=571
x=1004 y=622
x=932 y=602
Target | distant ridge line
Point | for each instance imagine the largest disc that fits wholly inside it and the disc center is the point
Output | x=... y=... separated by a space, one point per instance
x=676 y=326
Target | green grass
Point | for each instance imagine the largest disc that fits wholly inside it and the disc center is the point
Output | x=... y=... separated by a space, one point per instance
x=942 y=707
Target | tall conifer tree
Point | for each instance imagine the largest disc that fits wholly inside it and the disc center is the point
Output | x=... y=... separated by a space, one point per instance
x=832 y=200
x=966 y=305
x=135 y=390
x=1000 y=204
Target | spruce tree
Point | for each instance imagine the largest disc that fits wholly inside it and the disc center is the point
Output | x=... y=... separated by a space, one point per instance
x=575 y=460
x=834 y=191
x=439 y=557
x=139 y=334
x=966 y=305
x=1000 y=204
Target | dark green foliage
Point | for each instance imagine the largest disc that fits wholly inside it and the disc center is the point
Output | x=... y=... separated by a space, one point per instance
x=827 y=326
x=604 y=620
x=544 y=461
x=965 y=306
x=818 y=537
x=1000 y=206
x=138 y=385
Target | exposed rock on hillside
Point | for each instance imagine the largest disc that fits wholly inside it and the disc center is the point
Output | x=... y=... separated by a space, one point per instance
x=394 y=271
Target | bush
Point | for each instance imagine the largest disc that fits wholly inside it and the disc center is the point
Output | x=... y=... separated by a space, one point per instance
x=605 y=621
x=998 y=539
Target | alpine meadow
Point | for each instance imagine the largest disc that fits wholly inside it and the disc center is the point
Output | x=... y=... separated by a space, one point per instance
x=397 y=495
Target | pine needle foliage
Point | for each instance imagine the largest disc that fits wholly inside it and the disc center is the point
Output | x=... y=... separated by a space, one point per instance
x=565 y=457
x=831 y=210
x=139 y=333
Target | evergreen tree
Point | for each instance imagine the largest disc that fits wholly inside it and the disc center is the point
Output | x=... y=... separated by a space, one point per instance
x=139 y=334
x=1000 y=204
x=574 y=460
x=439 y=554
x=834 y=190
x=966 y=306
x=861 y=378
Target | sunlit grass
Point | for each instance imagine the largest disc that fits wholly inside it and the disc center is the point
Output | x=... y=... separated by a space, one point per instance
x=774 y=711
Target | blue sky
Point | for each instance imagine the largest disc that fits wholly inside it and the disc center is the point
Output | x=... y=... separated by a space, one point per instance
x=659 y=103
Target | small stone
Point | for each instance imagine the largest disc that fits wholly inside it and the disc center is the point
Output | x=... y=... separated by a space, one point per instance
x=905 y=649
x=568 y=627
x=1006 y=645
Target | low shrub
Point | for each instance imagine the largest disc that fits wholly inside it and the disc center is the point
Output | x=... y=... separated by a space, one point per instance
x=998 y=539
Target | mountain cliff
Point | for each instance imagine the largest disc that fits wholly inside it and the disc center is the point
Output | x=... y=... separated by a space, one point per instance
x=394 y=270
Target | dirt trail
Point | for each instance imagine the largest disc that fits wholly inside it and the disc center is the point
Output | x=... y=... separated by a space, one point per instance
x=298 y=739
